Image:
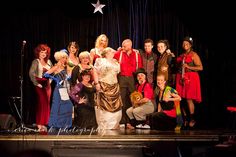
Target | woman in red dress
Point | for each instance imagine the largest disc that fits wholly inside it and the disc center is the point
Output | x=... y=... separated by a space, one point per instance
x=187 y=79
x=39 y=66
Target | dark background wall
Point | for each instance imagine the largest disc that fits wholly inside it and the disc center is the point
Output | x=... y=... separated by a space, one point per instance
x=58 y=23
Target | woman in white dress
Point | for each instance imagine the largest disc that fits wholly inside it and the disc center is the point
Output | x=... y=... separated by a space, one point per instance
x=108 y=100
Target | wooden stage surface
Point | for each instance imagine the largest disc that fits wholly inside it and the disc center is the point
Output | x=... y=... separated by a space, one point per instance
x=127 y=142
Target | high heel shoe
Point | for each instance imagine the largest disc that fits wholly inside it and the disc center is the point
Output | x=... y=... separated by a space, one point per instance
x=192 y=121
x=192 y=124
x=42 y=128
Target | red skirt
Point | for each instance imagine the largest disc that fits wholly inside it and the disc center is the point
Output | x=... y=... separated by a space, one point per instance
x=43 y=101
x=190 y=87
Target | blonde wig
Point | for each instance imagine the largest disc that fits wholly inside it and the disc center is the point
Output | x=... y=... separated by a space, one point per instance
x=60 y=54
x=99 y=38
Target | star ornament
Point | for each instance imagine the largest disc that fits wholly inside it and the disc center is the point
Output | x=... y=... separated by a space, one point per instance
x=98 y=7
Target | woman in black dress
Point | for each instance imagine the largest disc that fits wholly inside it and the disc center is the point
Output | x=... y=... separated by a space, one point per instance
x=82 y=94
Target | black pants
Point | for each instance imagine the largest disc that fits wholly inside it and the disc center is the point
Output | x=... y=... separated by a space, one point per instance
x=127 y=86
x=160 y=121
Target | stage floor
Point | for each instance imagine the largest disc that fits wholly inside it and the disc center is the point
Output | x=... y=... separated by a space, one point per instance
x=82 y=142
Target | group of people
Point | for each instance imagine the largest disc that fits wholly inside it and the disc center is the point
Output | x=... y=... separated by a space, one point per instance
x=96 y=89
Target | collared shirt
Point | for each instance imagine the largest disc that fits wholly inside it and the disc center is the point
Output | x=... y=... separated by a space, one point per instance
x=128 y=62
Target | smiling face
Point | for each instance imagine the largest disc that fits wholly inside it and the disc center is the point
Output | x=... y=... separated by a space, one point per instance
x=127 y=45
x=64 y=60
x=43 y=54
x=161 y=47
x=141 y=77
x=161 y=81
x=103 y=41
x=148 y=47
x=72 y=49
x=86 y=78
x=84 y=58
x=186 y=46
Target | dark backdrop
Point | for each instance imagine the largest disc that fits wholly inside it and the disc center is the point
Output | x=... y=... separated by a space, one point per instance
x=210 y=25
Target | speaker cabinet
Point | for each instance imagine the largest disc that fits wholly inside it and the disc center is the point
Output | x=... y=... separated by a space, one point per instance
x=7 y=122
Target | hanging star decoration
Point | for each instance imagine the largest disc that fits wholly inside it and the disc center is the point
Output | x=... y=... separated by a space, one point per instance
x=98 y=7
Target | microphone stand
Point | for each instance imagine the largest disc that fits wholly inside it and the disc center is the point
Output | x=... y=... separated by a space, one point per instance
x=22 y=127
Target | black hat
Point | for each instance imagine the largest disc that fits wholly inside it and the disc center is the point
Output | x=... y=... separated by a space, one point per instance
x=189 y=39
x=140 y=70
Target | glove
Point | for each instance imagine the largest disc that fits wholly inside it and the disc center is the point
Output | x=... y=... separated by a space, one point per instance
x=46 y=75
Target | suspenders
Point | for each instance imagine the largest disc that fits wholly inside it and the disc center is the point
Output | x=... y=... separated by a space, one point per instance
x=136 y=58
x=142 y=88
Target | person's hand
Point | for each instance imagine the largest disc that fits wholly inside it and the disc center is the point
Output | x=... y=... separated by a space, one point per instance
x=185 y=66
x=119 y=49
x=98 y=87
x=167 y=96
x=46 y=75
x=164 y=68
x=166 y=99
x=83 y=100
x=39 y=85
x=169 y=52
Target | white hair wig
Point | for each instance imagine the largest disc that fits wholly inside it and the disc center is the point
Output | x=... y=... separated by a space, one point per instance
x=84 y=54
x=60 y=54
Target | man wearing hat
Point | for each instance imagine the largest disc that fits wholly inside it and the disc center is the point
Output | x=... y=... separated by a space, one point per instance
x=137 y=113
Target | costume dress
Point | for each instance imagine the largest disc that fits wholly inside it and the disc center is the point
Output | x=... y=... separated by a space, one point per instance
x=84 y=113
x=108 y=99
x=188 y=84
x=61 y=110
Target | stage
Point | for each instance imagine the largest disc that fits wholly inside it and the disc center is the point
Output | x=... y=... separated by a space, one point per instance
x=122 y=142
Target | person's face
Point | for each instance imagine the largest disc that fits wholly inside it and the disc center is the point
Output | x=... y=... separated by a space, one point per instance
x=64 y=60
x=126 y=46
x=161 y=81
x=103 y=41
x=141 y=78
x=161 y=47
x=186 y=45
x=86 y=78
x=43 y=54
x=148 y=47
x=84 y=60
x=72 y=49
